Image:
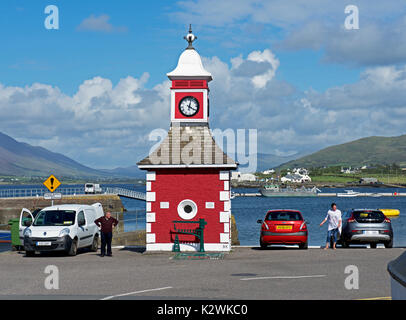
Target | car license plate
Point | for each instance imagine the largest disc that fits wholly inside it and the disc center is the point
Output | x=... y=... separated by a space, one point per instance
x=370 y=232
x=283 y=227
x=44 y=243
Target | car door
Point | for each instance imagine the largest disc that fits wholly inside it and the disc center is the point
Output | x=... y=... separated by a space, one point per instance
x=84 y=232
x=90 y=215
x=26 y=220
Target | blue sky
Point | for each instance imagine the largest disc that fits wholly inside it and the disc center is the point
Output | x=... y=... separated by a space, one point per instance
x=151 y=43
x=323 y=75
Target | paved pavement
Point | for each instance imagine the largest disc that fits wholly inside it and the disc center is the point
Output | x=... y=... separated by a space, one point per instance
x=245 y=273
x=5 y=246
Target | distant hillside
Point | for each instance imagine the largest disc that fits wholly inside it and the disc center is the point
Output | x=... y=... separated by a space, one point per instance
x=267 y=161
x=371 y=150
x=130 y=172
x=22 y=159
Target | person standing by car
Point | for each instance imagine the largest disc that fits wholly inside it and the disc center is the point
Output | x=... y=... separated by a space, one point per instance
x=106 y=223
x=334 y=224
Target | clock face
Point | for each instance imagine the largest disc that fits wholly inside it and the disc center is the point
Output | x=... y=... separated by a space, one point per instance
x=189 y=106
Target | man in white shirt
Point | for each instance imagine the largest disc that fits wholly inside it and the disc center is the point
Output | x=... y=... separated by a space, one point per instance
x=334 y=225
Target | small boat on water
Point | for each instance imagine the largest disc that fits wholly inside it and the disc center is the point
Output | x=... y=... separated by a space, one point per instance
x=274 y=190
x=348 y=194
x=375 y=195
x=390 y=212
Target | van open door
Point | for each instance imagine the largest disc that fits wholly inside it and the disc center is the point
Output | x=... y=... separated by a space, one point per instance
x=99 y=209
x=26 y=220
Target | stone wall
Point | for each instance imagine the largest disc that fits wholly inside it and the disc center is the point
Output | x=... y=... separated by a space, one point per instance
x=11 y=207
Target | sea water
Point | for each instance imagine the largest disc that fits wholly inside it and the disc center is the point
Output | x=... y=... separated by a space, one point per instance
x=247 y=210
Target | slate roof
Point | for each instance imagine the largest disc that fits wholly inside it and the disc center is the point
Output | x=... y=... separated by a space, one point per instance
x=188 y=145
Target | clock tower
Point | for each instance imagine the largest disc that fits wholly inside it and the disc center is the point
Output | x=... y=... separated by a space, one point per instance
x=190 y=91
x=188 y=175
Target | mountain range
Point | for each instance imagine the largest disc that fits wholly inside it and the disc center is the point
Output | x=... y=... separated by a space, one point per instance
x=365 y=151
x=22 y=159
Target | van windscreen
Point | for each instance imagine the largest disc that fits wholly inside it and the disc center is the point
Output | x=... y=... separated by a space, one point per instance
x=55 y=218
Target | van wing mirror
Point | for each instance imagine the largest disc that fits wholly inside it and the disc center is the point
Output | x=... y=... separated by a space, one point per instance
x=259 y=221
x=27 y=222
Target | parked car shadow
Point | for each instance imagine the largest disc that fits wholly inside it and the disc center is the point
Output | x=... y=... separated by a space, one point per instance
x=276 y=248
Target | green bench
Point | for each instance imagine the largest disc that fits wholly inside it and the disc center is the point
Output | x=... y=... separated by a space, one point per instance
x=198 y=232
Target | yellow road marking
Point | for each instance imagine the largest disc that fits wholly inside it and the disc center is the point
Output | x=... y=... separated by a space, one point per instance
x=377 y=298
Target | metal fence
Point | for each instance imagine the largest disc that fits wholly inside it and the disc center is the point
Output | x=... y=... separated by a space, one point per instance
x=134 y=220
x=126 y=193
x=37 y=192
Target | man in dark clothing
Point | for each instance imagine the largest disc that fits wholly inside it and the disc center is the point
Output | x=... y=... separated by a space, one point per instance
x=106 y=223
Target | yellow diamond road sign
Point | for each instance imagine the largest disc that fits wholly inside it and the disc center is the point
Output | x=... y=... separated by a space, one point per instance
x=52 y=183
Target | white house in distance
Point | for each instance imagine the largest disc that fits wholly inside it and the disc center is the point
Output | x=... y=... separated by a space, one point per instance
x=236 y=175
x=349 y=170
x=298 y=175
x=269 y=171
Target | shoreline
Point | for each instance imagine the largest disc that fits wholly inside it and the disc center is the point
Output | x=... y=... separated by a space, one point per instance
x=257 y=185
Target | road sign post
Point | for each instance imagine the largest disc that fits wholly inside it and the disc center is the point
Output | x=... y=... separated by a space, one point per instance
x=52 y=183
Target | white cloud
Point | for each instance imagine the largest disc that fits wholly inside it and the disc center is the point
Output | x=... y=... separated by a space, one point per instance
x=107 y=125
x=311 y=24
x=100 y=116
x=99 y=24
x=261 y=80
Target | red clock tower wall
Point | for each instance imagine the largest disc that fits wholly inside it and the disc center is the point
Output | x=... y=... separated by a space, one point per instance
x=209 y=189
x=181 y=189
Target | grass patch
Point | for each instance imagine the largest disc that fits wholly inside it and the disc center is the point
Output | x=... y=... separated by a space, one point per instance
x=342 y=178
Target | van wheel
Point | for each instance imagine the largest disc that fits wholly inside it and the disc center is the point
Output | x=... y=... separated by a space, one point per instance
x=373 y=245
x=73 y=248
x=389 y=244
x=95 y=244
x=29 y=253
x=263 y=245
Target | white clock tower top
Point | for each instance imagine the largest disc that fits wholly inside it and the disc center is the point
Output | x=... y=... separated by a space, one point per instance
x=190 y=64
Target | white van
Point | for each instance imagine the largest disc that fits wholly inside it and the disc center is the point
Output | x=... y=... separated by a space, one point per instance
x=66 y=227
x=93 y=188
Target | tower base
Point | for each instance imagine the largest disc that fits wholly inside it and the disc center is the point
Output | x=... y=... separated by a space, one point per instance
x=192 y=247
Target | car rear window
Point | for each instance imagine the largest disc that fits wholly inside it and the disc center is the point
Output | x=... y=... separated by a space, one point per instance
x=284 y=216
x=369 y=216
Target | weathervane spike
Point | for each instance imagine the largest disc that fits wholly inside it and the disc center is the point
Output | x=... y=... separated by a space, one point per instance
x=190 y=38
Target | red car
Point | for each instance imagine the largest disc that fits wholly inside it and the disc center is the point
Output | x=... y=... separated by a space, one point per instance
x=283 y=227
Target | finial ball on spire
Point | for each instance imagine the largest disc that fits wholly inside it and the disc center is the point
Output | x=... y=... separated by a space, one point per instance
x=190 y=37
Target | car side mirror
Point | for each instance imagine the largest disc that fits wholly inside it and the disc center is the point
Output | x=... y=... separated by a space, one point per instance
x=259 y=221
x=307 y=222
x=27 y=223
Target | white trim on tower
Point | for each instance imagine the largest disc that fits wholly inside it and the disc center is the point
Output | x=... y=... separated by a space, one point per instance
x=189 y=247
x=150 y=217
x=150 y=196
x=151 y=176
x=151 y=238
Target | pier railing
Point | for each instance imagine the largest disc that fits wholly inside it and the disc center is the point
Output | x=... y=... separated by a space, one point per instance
x=127 y=193
x=37 y=192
